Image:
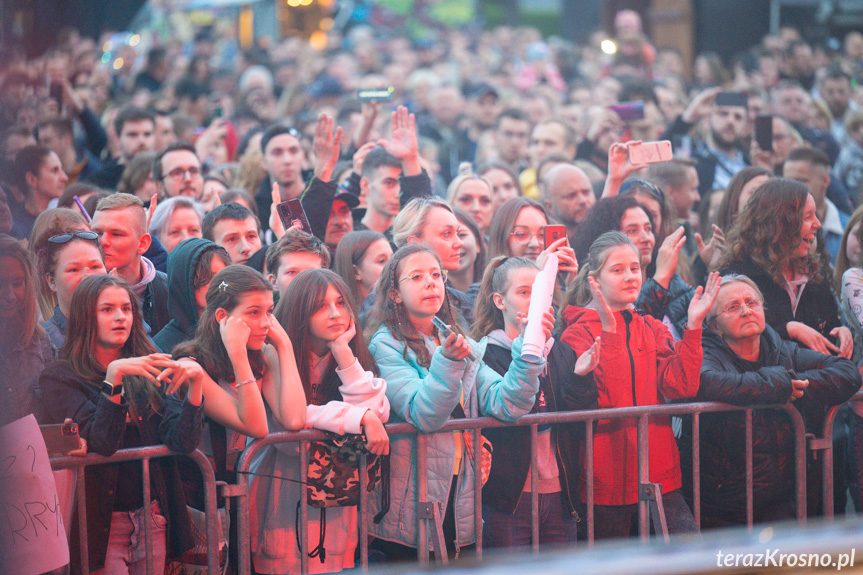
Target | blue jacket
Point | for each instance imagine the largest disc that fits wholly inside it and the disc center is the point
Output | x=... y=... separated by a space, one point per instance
x=426 y=398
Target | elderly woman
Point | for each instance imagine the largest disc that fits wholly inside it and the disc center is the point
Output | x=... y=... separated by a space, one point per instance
x=747 y=363
x=175 y=220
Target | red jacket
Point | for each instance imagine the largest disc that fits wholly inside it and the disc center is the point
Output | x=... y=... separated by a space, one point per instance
x=638 y=365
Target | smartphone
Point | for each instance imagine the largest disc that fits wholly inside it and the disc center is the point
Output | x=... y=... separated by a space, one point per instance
x=60 y=438
x=629 y=111
x=736 y=99
x=446 y=331
x=764 y=132
x=292 y=212
x=650 y=152
x=552 y=233
x=375 y=94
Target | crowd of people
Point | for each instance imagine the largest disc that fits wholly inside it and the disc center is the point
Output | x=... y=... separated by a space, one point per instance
x=152 y=292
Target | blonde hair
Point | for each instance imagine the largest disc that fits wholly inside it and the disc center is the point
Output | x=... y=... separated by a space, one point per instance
x=121 y=201
x=413 y=218
x=465 y=174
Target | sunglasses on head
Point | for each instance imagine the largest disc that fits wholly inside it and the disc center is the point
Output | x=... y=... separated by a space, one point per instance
x=634 y=186
x=63 y=238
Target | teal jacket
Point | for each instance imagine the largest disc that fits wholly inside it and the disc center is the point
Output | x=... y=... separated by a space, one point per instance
x=426 y=398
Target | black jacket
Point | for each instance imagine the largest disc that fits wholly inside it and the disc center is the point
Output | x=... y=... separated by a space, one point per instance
x=817 y=307
x=61 y=394
x=182 y=263
x=154 y=303
x=510 y=463
x=728 y=378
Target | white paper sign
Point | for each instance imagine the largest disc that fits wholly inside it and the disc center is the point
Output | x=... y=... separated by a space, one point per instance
x=541 y=295
x=32 y=536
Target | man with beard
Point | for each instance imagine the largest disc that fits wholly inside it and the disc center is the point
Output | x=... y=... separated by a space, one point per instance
x=721 y=155
x=135 y=130
x=568 y=196
x=178 y=171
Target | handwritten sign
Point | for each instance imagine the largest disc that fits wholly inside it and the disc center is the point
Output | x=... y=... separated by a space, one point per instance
x=32 y=536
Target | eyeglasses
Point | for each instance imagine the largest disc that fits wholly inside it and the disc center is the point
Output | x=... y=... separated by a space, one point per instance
x=419 y=278
x=180 y=173
x=63 y=238
x=634 y=186
x=736 y=308
x=522 y=235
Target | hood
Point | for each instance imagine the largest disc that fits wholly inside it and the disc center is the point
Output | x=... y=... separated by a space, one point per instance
x=770 y=347
x=574 y=313
x=498 y=337
x=181 y=273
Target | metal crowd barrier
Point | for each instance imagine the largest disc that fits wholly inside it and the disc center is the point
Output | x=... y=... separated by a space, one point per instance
x=144 y=455
x=475 y=425
x=641 y=414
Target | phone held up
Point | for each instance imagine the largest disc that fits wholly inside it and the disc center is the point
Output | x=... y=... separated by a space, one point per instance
x=552 y=233
x=650 y=152
x=291 y=212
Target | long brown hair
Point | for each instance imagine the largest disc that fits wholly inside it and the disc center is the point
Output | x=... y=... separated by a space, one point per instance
x=81 y=337
x=302 y=299
x=767 y=229
x=27 y=313
x=727 y=213
x=225 y=291
x=386 y=312
x=842 y=261
x=502 y=222
x=349 y=253
x=487 y=316
x=579 y=293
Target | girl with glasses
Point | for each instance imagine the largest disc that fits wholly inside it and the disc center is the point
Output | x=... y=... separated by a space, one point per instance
x=431 y=378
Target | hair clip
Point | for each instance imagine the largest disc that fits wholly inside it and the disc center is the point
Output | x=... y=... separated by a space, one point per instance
x=223 y=286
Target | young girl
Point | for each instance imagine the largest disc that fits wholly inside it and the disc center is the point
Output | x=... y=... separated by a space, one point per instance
x=504 y=297
x=638 y=365
x=360 y=257
x=119 y=391
x=342 y=395
x=429 y=379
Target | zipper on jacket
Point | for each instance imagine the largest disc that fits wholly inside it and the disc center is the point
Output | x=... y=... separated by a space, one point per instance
x=627 y=318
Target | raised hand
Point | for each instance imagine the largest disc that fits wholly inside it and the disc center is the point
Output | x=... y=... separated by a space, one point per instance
x=275 y=221
x=370 y=113
x=711 y=252
x=360 y=156
x=606 y=315
x=619 y=164
x=666 y=259
x=588 y=361
x=327 y=147
x=702 y=301
x=377 y=440
x=235 y=335
x=700 y=105
x=154 y=201
x=403 y=143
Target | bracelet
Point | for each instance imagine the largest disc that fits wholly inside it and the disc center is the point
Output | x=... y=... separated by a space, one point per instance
x=248 y=381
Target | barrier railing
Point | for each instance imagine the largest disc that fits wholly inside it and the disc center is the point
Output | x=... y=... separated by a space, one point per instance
x=144 y=455
x=641 y=414
x=824 y=444
x=475 y=425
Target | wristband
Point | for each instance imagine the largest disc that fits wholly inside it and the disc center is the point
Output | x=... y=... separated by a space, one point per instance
x=110 y=389
x=248 y=381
